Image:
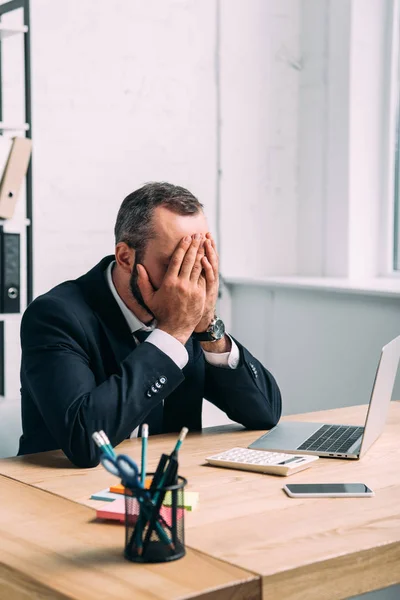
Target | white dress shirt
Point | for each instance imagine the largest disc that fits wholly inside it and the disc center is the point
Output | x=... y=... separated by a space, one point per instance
x=166 y=342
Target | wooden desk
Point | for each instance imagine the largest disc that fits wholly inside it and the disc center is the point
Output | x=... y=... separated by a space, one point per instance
x=53 y=548
x=315 y=548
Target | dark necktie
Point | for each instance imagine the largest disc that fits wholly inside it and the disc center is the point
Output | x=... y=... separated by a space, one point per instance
x=155 y=417
x=141 y=335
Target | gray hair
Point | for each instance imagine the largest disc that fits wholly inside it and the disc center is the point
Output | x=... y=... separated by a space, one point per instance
x=134 y=220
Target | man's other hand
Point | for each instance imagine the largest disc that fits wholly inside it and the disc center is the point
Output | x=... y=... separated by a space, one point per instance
x=211 y=274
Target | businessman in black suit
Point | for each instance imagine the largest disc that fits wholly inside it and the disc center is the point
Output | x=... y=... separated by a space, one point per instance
x=137 y=339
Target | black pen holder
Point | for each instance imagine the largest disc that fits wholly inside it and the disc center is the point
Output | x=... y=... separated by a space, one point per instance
x=155 y=523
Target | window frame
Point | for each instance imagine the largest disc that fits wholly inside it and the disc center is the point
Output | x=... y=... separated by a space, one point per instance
x=390 y=238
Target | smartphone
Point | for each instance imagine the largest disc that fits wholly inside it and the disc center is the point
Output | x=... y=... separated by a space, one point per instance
x=328 y=490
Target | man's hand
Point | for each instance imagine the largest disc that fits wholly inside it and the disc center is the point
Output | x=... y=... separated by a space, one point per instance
x=178 y=304
x=209 y=263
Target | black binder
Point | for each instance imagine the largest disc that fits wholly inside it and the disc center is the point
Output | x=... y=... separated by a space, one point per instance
x=10 y=292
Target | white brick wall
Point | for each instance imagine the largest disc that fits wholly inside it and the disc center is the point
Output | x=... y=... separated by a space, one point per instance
x=125 y=92
x=259 y=88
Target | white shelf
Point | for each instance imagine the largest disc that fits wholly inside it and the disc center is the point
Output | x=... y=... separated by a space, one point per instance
x=14 y=225
x=7 y=317
x=14 y=127
x=6 y=31
x=380 y=286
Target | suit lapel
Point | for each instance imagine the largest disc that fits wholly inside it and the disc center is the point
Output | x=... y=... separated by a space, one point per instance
x=99 y=297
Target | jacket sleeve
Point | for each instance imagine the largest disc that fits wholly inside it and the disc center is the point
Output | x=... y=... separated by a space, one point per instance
x=248 y=394
x=56 y=369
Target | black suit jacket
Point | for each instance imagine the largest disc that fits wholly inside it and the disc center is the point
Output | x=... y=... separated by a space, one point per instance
x=81 y=372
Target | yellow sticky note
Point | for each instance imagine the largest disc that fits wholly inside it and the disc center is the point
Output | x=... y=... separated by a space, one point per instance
x=190 y=499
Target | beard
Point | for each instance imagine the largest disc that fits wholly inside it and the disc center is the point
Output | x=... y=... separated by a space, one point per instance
x=136 y=293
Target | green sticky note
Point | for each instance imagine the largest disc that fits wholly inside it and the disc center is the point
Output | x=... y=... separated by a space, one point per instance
x=190 y=500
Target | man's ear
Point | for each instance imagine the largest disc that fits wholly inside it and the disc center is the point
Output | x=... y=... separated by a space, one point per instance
x=125 y=257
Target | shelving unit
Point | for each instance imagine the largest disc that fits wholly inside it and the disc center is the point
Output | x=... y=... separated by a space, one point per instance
x=15 y=127
x=8 y=31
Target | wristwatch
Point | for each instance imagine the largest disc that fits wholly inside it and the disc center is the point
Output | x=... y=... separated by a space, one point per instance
x=215 y=331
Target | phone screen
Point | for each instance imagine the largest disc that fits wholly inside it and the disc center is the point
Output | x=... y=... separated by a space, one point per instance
x=328 y=488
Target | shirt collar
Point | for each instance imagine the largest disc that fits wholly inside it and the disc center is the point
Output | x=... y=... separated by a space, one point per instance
x=134 y=323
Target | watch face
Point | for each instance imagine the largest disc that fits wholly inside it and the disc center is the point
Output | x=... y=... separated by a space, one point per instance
x=218 y=329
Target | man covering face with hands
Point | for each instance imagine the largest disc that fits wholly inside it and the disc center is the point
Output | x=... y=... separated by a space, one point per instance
x=138 y=339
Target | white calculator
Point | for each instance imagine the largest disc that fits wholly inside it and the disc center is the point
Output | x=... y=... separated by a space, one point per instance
x=262 y=461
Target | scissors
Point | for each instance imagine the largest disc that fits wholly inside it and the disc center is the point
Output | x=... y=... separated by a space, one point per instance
x=125 y=468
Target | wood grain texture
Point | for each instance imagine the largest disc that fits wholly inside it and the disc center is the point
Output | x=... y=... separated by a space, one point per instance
x=53 y=548
x=247 y=520
x=339 y=578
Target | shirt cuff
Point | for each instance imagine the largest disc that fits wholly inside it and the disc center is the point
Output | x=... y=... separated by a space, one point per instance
x=229 y=360
x=170 y=346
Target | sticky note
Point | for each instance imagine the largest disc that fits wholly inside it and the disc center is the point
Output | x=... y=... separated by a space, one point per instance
x=105 y=495
x=190 y=499
x=115 y=511
x=118 y=488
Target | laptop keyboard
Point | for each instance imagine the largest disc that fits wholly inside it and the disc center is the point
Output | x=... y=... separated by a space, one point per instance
x=332 y=438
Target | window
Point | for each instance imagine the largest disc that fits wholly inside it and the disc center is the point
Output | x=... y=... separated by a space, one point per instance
x=396 y=237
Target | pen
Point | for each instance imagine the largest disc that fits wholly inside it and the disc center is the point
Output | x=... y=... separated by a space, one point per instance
x=99 y=441
x=178 y=444
x=107 y=442
x=141 y=516
x=145 y=435
x=172 y=457
x=168 y=477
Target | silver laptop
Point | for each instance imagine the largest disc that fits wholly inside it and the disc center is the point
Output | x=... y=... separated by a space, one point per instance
x=340 y=441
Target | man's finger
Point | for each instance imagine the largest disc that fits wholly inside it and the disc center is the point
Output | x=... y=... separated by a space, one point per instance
x=197 y=267
x=211 y=255
x=190 y=257
x=214 y=245
x=208 y=270
x=144 y=284
x=176 y=259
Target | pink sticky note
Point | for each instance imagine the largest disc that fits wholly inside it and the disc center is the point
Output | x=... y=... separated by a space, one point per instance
x=115 y=511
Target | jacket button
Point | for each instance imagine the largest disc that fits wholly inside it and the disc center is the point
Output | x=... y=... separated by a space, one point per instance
x=163 y=380
x=149 y=394
x=154 y=389
x=158 y=385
